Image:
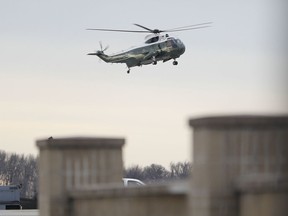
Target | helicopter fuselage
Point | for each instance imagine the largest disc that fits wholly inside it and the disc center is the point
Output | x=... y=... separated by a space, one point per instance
x=156 y=48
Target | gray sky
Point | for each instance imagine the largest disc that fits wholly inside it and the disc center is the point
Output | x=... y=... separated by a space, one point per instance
x=50 y=87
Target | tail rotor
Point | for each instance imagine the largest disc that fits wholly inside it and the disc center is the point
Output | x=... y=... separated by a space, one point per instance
x=101 y=47
x=101 y=51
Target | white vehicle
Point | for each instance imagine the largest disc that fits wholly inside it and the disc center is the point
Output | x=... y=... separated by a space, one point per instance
x=132 y=182
x=10 y=197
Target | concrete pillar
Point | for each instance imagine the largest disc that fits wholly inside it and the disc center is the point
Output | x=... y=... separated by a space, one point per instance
x=67 y=163
x=229 y=154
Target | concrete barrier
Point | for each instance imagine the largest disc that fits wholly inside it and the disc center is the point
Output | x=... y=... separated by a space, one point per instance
x=68 y=163
x=234 y=155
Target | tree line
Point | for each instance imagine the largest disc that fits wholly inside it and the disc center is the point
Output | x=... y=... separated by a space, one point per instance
x=18 y=169
x=155 y=173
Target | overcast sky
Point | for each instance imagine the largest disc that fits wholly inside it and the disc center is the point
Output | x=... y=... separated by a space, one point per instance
x=50 y=87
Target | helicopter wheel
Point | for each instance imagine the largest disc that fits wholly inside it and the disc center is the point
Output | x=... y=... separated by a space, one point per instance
x=128 y=71
x=154 y=63
x=175 y=62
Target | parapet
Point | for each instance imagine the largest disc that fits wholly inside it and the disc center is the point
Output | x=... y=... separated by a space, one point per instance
x=80 y=143
x=69 y=163
x=240 y=121
x=238 y=159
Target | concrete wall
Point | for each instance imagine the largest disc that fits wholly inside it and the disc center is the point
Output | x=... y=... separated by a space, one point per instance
x=68 y=163
x=80 y=176
x=232 y=155
x=157 y=200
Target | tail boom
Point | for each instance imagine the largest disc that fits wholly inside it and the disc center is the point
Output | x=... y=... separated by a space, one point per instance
x=101 y=55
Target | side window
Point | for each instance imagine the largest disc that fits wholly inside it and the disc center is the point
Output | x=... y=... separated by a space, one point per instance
x=132 y=183
x=152 y=40
x=155 y=39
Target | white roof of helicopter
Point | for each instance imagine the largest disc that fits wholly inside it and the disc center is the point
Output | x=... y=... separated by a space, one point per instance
x=159 y=37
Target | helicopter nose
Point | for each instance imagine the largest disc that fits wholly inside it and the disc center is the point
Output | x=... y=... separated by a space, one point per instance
x=182 y=48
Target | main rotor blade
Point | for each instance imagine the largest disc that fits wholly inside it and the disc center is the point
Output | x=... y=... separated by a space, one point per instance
x=189 y=26
x=150 y=30
x=117 y=30
x=154 y=31
x=183 y=28
x=186 y=29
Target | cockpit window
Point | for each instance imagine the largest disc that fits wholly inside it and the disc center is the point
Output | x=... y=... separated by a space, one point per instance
x=171 y=42
x=152 y=40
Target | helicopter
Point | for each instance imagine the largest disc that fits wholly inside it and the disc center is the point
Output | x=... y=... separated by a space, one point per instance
x=158 y=46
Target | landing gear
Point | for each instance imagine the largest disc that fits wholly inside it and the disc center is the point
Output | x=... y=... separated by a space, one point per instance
x=128 y=71
x=154 y=60
x=175 y=62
